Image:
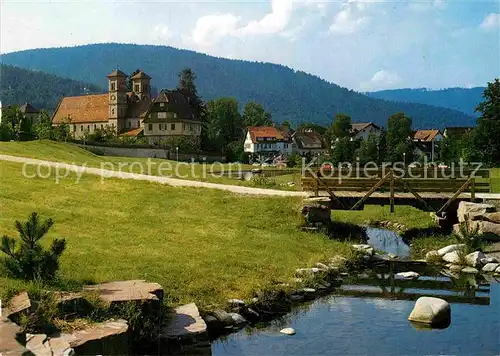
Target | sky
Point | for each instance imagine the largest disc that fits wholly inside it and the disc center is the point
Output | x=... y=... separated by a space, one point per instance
x=362 y=45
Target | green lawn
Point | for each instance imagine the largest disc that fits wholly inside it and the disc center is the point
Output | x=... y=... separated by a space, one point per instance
x=495 y=180
x=202 y=245
x=70 y=153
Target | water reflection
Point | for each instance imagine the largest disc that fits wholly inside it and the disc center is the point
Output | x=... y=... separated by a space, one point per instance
x=369 y=315
x=388 y=241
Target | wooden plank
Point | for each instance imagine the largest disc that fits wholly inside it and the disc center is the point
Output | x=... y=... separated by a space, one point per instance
x=466 y=184
x=410 y=173
x=371 y=191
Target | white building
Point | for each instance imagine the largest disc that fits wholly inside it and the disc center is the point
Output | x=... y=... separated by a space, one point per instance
x=362 y=130
x=266 y=141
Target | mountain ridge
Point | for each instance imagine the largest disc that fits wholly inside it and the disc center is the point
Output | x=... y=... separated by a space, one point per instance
x=287 y=93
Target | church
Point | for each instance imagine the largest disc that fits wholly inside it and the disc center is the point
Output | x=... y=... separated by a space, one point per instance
x=129 y=112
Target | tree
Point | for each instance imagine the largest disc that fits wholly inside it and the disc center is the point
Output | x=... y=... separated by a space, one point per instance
x=43 y=128
x=341 y=126
x=223 y=123
x=382 y=146
x=306 y=126
x=255 y=115
x=62 y=132
x=29 y=260
x=6 y=131
x=342 y=150
x=368 y=152
x=486 y=136
x=399 y=141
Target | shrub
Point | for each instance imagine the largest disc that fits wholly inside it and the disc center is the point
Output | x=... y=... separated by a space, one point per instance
x=470 y=237
x=29 y=260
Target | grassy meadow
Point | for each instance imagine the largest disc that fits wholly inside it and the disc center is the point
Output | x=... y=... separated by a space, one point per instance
x=70 y=153
x=202 y=245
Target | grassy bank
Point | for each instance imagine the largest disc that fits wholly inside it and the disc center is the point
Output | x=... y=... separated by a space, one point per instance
x=202 y=245
x=495 y=180
x=70 y=153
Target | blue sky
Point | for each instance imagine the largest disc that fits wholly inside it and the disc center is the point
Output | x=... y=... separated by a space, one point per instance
x=362 y=45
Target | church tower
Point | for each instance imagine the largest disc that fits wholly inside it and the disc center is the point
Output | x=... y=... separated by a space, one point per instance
x=117 y=98
x=141 y=85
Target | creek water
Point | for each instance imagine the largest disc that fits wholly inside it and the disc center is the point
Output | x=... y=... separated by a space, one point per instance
x=369 y=315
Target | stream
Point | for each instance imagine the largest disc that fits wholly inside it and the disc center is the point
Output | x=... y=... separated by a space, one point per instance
x=368 y=315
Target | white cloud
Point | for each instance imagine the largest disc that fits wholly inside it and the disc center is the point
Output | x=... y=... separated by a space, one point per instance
x=428 y=5
x=211 y=28
x=491 y=21
x=274 y=22
x=345 y=22
x=163 y=32
x=383 y=79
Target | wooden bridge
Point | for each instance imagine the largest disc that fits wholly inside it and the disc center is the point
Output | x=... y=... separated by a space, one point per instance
x=430 y=189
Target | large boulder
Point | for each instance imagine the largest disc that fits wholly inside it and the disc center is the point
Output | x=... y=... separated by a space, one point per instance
x=473 y=211
x=492 y=217
x=474 y=259
x=490 y=230
x=430 y=310
x=452 y=257
x=316 y=213
x=490 y=267
x=38 y=344
x=450 y=248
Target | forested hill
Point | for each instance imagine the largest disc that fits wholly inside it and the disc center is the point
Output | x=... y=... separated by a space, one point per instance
x=289 y=95
x=462 y=99
x=43 y=91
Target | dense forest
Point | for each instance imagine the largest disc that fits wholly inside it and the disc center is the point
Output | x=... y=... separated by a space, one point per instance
x=289 y=95
x=462 y=99
x=41 y=90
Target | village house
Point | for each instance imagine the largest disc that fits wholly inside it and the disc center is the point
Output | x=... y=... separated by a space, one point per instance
x=267 y=141
x=129 y=113
x=456 y=131
x=27 y=110
x=308 y=143
x=362 y=130
x=427 y=143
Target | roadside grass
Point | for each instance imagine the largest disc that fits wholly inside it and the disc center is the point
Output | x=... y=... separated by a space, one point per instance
x=201 y=245
x=495 y=180
x=72 y=154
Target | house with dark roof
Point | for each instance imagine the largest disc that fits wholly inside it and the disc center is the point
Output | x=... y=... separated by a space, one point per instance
x=427 y=142
x=362 y=130
x=129 y=113
x=308 y=142
x=28 y=111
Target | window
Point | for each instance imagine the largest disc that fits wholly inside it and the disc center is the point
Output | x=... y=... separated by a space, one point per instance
x=112 y=111
x=145 y=87
x=88 y=127
x=129 y=124
x=102 y=126
x=138 y=124
x=172 y=127
x=113 y=86
x=150 y=127
x=162 y=105
x=74 y=128
x=95 y=127
x=136 y=87
x=81 y=128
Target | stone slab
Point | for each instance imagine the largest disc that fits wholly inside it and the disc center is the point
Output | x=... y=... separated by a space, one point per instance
x=11 y=338
x=17 y=304
x=185 y=321
x=123 y=291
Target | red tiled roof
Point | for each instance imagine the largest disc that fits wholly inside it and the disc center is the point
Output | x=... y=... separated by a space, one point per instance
x=133 y=132
x=271 y=132
x=85 y=108
x=425 y=135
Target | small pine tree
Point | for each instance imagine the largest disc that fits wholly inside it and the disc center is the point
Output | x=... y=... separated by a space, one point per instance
x=29 y=260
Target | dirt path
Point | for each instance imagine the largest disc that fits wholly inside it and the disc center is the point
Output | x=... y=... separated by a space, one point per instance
x=162 y=180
